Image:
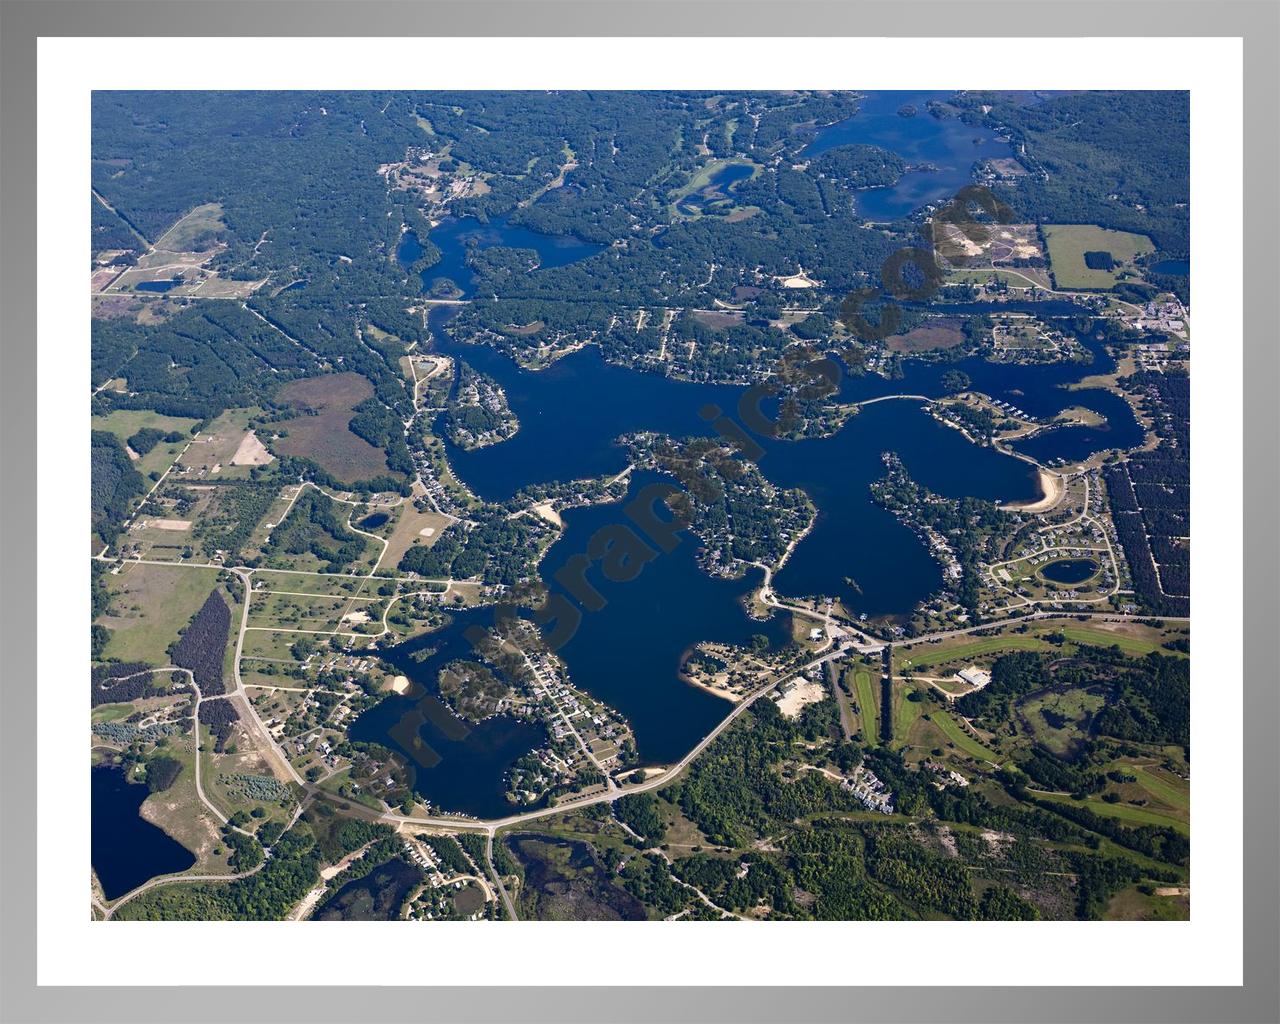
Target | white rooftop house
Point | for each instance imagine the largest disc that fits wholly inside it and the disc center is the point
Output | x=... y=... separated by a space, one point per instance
x=815 y=634
x=975 y=677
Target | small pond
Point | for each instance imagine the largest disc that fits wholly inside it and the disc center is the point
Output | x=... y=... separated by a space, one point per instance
x=1069 y=570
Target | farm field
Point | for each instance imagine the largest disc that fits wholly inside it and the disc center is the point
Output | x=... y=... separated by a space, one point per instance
x=1068 y=243
x=149 y=605
x=322 y=436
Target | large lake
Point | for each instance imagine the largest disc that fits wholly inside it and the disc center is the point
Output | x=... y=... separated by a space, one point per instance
x=939 y=152
x=572 y=413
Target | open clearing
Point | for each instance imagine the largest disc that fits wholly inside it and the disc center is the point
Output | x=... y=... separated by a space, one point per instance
x=926 y=339
x=213 y=449
x=868 y=706
x=251 y=452
x=1068 y=243
x=193 y=232
x=1135 y=639
x=124 y=423
x=323 y=435
x=413 y=528
x=954 y=733
x=149 y=604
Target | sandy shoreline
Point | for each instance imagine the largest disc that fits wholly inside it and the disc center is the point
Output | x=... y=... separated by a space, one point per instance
x=1053 y=487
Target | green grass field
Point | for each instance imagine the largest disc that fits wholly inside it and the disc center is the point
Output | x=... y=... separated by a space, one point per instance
x=1025 y=278
x=1158 y=786
x=149 y=604
x=905 y=713
x=1074 y=705
x=1067 y=244
x=963 y=741
x=868 y=706
x=124 y=423
x=1103 y=638
x=1123 y=812
x=925 y=655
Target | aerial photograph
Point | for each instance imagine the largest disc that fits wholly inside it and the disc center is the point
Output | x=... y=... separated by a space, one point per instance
x=640 y=506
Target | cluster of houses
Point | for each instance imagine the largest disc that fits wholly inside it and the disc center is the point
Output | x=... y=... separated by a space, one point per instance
x=866 y=786
x=946 y=776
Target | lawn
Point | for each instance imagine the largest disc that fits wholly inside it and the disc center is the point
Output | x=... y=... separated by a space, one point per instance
x=1068 y=243
x=149 y=604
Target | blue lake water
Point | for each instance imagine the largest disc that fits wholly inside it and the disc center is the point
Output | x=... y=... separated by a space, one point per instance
x=126 y=849
x=1069 y=570
x=456 y=237
x=628 y=654
x=947 y=147
x=1174 y=268
x=473 y=757
x=156 y=286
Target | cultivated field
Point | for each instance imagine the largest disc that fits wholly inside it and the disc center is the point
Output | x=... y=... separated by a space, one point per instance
x=323 y=436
